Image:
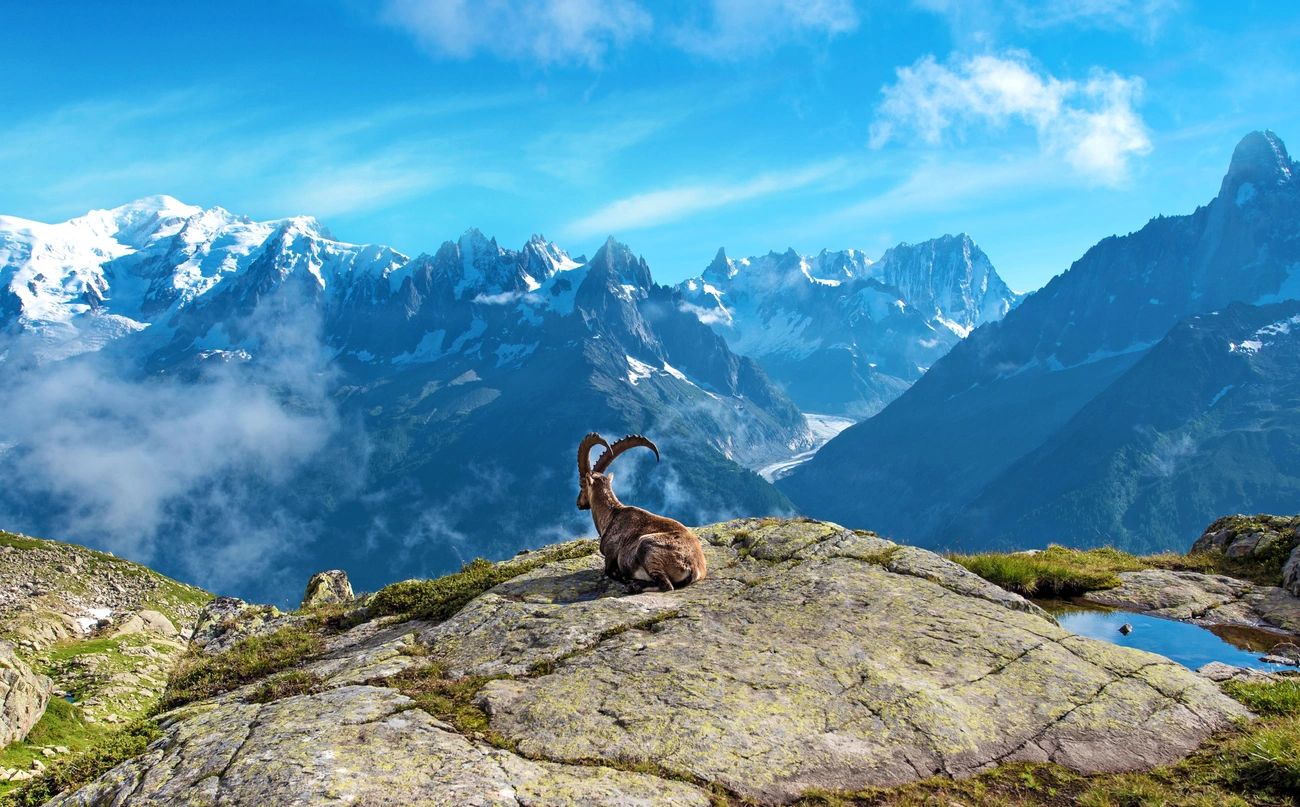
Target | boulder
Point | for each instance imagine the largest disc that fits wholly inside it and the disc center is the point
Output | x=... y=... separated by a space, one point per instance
x=811 y=658
x=146 y=621
x=328 y=588
x=226 y=620
x=1268 y=539
x=23 y=696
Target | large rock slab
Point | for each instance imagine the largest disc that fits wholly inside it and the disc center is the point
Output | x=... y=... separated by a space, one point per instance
x=1206 y=599
x=352 y=745
x=827 y=664
x=812 y=657
x=23 y=696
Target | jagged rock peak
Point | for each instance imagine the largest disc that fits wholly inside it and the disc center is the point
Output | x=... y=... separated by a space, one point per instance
x=721 y=268
x=618 y=260
x=1260 y=158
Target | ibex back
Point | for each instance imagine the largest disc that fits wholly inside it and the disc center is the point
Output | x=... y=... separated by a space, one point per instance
x=641 y=548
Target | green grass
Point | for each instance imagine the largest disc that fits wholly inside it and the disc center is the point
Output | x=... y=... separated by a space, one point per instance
x=76 y=769
x=1060 y=572
x=60 y=725
x=199 y=675
x=18 y=541
x=442 y=598
x=1053 y=572
x=1270 y=698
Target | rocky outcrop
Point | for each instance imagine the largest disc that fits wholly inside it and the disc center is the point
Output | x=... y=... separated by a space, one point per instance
x=328 y=588
x=99 y=630
x=1206 y=599
x=1272 y=541
x=23 y=695
x=812 y=657
x=55 y=592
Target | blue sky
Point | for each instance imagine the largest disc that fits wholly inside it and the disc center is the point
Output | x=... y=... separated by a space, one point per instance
x=679 y=127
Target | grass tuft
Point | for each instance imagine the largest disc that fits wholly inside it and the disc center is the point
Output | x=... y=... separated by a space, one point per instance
x=286 y=685
x=199 y=675
x=1053 y=572
x=442 y=598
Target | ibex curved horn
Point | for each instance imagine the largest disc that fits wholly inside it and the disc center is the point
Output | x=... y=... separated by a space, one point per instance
x=584 y=452
x=631 y=441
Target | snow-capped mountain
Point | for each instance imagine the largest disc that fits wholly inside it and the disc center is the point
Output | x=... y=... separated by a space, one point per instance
x=444 y=393
x=1006 y=438
x=843 y=334
x=73 y=287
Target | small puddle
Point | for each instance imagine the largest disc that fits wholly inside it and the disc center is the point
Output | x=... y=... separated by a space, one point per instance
x=1190 y=645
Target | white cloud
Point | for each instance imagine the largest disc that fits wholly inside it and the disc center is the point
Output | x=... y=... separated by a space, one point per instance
x=657 y=207
x=1092 y=125
x=543 y=31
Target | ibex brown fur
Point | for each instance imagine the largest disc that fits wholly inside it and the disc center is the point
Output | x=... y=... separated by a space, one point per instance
x=641 y=549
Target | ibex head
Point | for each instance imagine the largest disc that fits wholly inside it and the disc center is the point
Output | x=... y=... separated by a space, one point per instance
x=584 y=467
x=586 y=472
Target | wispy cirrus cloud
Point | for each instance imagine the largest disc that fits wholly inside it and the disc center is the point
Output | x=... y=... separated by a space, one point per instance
x=542 y=31
x=1091 y=124
x=671 y=204
x=560 y=33
x=985 y=20
x=190 y=143
x=733 y=29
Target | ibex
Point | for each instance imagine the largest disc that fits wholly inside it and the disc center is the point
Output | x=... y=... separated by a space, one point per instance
x=641 y=549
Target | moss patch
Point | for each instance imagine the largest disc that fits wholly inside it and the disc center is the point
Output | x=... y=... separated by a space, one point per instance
x=199 y=675
x=442 y=598
x=450 y=700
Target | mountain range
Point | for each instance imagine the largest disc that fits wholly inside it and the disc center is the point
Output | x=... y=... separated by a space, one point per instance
x=178 y=377
x=175 y=377
x=347 y=405
x=845 y=335
x=1145 y=389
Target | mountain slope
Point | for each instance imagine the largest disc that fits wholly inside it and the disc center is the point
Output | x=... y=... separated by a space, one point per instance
x=179 y=379
x=1205 y=423
x=1005 y=390
x=844 y=335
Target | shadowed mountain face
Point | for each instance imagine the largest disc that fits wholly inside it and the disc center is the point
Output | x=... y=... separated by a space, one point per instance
x=1015 y=438
x=842 y=334
x=243 y=403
